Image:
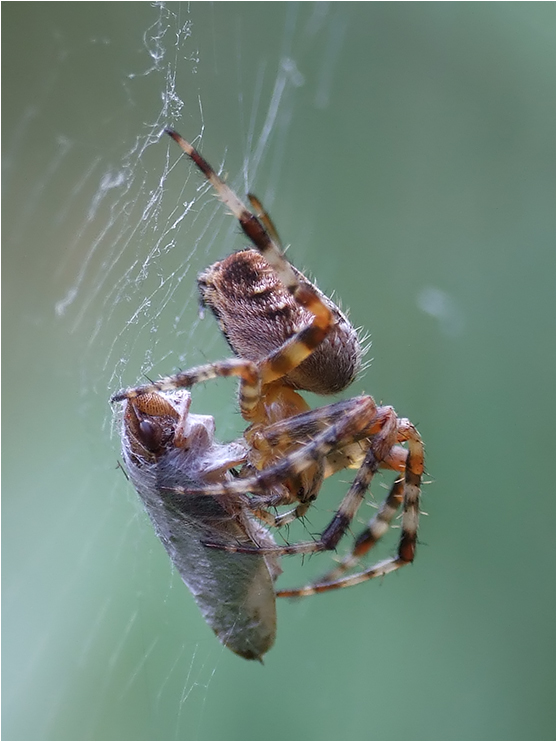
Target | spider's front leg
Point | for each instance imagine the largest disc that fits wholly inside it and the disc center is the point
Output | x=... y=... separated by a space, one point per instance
x=245 y=370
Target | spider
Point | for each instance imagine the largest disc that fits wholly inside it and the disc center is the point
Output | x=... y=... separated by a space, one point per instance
x=290 y=337
x=163 y=445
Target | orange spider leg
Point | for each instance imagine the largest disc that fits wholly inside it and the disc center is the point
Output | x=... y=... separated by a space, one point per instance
x=246 y=370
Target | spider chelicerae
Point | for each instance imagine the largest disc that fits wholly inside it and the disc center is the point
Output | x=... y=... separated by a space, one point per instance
x=289 y=337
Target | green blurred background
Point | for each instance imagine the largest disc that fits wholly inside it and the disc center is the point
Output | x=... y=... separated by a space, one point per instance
x=406 y=152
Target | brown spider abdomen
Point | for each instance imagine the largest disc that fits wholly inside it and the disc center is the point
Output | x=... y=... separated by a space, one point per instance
x=257 y=314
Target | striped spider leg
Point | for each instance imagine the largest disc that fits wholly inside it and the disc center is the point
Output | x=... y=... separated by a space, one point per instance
x=378 y=431
x=164 y=445
x=339 y=455
x=366 y=540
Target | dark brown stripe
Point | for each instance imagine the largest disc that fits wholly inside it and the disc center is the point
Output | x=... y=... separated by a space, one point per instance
x=412 y=478
x=254 y=230
x=407 y=547
x=335 y=530
x=363 y=543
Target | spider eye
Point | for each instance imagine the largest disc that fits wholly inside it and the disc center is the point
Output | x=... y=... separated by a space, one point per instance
x=150 y=435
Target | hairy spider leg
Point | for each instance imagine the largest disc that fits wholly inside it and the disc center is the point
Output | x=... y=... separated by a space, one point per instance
x=304 y=426
x=263 y=215
x=245 y=370
x=372 y=533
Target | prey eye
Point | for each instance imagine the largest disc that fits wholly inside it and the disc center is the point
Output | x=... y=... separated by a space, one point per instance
x=150 y=435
